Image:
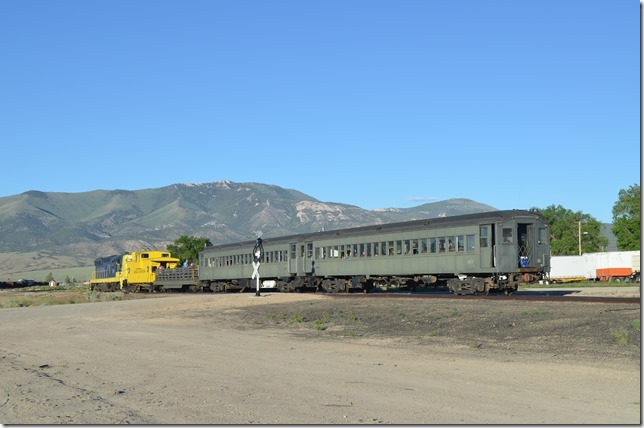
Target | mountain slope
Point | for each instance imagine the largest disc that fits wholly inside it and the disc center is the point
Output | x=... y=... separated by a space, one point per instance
x=87 y=225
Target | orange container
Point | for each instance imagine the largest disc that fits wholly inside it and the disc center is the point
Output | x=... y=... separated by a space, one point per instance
x=607 y=273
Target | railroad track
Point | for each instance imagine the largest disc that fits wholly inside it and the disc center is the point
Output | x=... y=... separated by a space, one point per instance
x=539 y=297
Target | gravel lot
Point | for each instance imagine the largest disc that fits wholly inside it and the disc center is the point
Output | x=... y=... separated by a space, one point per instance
x=315 y=359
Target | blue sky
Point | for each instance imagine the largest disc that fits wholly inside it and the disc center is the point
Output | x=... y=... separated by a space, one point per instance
x=372 y=103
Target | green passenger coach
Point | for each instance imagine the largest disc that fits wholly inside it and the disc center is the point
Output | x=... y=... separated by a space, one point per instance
x=471 y=254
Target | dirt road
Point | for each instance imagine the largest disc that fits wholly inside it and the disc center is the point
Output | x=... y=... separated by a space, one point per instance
x=170 y=360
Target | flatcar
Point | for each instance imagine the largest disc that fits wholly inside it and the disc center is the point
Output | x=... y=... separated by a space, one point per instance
x=470 y=254
x=134 y=271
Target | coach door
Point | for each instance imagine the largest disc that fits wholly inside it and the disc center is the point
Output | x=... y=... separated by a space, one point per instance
x=301 y=259
x=506 y=258
x=307 y=258
x=292 y=258
x=486 y=244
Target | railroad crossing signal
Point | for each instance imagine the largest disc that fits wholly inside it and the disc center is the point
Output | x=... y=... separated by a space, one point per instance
x=258 y=257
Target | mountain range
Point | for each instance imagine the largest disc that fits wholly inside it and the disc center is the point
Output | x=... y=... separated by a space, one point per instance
x=54 y=230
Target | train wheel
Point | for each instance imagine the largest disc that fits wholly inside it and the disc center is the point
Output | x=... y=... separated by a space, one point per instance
x=484 y=292
x=455 y=288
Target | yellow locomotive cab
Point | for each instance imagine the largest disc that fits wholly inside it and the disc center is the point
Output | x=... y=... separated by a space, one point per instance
x=131 y=271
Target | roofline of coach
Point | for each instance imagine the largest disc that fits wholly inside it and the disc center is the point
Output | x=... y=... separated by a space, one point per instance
x=430 y=223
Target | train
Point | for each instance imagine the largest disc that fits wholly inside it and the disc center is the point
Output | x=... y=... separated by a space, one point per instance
x=494 y=251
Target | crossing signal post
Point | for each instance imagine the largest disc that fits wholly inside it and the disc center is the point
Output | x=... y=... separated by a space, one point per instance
x=258 y=258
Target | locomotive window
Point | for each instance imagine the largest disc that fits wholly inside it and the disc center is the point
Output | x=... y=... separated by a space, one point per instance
x=483 y=236
x=423 y=245
x=542 y=236
x=507 y=236
x=441 y=245
x=470 y=242
x=145 y=256
x=460 y=243
x=432 y=245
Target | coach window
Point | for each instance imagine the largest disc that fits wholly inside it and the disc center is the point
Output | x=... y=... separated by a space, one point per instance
x=376 y=248
x=368 y=249
x=507 y=235
x=470 y=243
x=432 y=245
x=309 y=250
x=460 y=243
x=451 y=242
x=483 y=236
x=414 y=246
x=361 y=250
x=383 y=248
x=441 y=244
x=293 y=251
x=423 y=246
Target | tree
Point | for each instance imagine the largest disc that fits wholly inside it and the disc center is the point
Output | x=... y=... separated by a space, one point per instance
x=626 y=218
x=188 y=247
x=49 y=277
x=564 y=231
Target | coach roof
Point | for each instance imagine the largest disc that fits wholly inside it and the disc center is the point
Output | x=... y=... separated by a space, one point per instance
x=431 y=223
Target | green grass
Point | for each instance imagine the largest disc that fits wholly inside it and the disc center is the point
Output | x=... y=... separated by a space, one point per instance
x=620 y=336
x=635 y=324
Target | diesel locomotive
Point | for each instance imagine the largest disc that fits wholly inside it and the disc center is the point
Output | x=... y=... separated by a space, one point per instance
x=470 y=254
x=132 y=271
